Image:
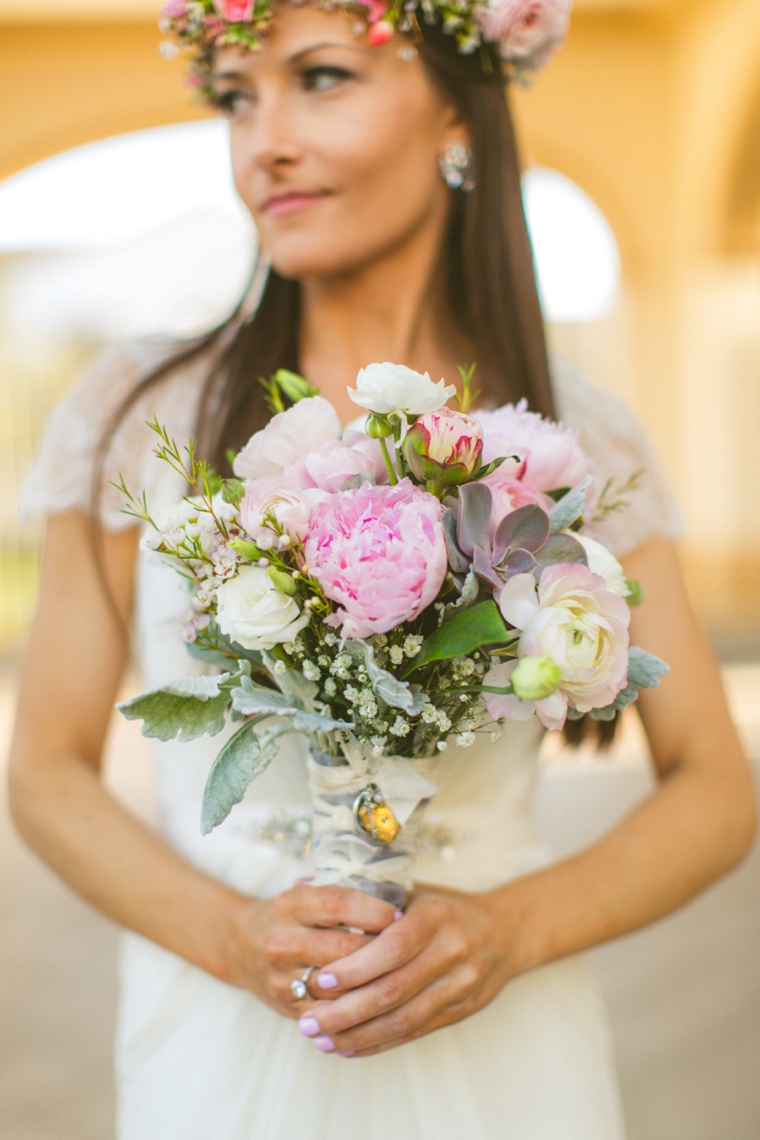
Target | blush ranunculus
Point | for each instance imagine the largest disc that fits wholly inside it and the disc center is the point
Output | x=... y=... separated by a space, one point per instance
x=549 y=454
x=280 y=500
x=380 y=553
x=573 y=618
x=444 y=446
x=288 y=436
x=528 y=31
x=387 y=388
x=329 y=466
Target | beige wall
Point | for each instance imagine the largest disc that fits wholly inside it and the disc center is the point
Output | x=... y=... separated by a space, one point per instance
x=653 y=108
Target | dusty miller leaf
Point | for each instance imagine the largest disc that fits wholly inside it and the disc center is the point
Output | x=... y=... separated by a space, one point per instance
x=467 y=597
x=570 y=506
x=252 y=700
x=240 y=761
x=186 y=709
x=395 y=693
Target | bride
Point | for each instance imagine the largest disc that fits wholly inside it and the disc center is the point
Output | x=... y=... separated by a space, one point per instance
x=376 y=155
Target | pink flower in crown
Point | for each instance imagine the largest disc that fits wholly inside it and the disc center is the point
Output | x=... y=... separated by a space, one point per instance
x=549 y=455
x=528 y=31
x=235 y=11
x=574 y=619
x=444 y=446
x=380 y=553
x=329 y=466
x=376 y=9
x=174 y=10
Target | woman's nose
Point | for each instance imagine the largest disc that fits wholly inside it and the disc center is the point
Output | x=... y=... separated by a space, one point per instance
x=271 y=139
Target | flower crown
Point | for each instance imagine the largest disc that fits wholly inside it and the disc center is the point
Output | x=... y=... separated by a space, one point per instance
x=527 y=32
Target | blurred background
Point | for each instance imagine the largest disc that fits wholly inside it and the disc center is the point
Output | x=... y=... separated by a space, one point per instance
x=118 y=220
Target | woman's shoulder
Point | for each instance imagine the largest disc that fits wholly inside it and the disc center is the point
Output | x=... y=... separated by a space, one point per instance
x=62 y=475
x=619 y=445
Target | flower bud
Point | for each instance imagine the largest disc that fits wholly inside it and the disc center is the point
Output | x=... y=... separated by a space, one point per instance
x=293 y=386
x=232 y=491
x=377 y=427
x=283 y=583
x=444 y=447
x=380 y=33
x=535 y=678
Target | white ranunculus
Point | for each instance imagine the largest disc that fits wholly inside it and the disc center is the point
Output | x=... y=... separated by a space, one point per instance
x=601 y=562
x=253 y=613
x=287 y=437
x=386 y=388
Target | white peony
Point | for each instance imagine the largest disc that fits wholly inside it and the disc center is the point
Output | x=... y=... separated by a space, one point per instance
x=386 y=388
x=287 y=437
x=253 y=613
x=601 y=562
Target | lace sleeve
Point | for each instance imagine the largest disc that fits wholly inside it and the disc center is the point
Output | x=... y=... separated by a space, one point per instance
x=615 y=440
x=61 y=476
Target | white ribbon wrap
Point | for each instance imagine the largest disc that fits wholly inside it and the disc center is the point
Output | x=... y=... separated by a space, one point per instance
x=343 y=852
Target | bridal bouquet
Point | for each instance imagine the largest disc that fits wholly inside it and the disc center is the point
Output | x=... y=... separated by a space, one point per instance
x=387 y=592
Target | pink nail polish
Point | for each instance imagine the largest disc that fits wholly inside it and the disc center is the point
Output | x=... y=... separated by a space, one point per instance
x=309 y=1026
x=325 y=1044
x=398 y=914
x=328 y=981
x=350 y=1053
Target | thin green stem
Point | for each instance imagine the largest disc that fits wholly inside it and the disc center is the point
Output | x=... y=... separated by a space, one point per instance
x=392 y=477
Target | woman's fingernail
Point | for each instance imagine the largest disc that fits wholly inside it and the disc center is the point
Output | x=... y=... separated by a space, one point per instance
x=328 y=981
x=326 y=1044
x=350 y=1053
x=398 y=914
x=309 y=1026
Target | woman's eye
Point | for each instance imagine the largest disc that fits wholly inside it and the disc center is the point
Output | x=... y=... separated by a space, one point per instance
x=230 y=103
x=324 y=78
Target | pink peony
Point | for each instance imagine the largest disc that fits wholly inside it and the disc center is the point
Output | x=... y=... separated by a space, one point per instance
x=329 y=466
x=444 y=446
x=573 y=618
x=283 y=503
x=235 y=11
x=288 y=436
x=549 y=455
x=380 y=553
x=528 y=31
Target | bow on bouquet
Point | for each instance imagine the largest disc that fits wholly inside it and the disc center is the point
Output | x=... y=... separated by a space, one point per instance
x=383 y=592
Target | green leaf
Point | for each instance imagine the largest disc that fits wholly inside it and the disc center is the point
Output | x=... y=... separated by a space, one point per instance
x=397 y=694
x=480 y=625
x=186 y=709
x=240 y=761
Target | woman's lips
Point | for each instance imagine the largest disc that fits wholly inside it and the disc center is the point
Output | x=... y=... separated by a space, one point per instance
x=282 y=204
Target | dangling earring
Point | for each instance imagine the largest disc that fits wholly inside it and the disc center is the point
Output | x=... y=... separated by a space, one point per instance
x=456 y=167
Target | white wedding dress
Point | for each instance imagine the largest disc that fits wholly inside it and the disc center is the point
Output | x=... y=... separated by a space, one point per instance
x=199 y=1060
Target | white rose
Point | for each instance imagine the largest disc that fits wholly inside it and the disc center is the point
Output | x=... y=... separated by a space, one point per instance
x=386 y=388
x=253 y=613
x=287 y=437
x=601 y=562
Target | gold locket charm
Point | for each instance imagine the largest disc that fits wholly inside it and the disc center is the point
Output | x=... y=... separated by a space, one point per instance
x=374 y=815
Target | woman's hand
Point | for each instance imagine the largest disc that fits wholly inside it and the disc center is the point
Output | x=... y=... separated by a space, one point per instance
x=274 y=941
x=448 y=956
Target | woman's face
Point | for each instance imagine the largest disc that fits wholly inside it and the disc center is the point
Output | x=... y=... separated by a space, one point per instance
x=335 y=143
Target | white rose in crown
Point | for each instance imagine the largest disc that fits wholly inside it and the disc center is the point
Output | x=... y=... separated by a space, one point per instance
x=252 y=612
x=387 y=388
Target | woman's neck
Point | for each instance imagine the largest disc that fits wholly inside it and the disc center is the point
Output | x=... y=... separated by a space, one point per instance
x=393 y=309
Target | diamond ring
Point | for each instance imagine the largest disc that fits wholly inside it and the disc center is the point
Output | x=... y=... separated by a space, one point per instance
x=298 y=985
